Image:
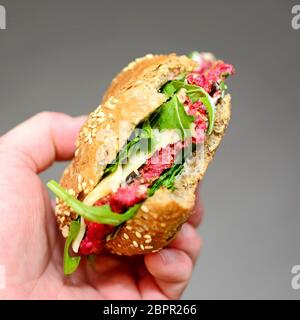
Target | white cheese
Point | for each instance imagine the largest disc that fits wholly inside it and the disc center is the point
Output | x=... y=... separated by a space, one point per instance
x=79 y=237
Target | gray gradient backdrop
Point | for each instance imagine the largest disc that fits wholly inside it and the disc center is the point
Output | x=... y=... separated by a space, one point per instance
x=61 y=55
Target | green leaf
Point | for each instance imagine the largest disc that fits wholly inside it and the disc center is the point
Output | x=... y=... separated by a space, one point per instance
x=167 y=179
x=103 y=214
x=143 y=140
x=122 y=155
x=168 y=89
x=147 y=140
x=223 y=88
x=196 y=93
x=71 y=263
x=172 y=115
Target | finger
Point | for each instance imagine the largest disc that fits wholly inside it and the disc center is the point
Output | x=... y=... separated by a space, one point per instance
x=109 y=275
x=149 y=289
x=196 y=218
x=44 y=138
x=188 y=241
x=171 y=269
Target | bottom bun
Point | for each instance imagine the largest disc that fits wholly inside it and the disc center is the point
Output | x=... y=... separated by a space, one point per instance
x=161 y=216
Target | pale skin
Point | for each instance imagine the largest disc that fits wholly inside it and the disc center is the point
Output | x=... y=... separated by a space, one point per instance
x=32 y=247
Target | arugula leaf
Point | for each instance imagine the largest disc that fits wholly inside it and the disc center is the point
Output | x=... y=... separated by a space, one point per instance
x=143 y=140
x=147 y=140
x=172 y=115
x=167 y=179
x=71 y=263
x=195 y=93
x=103 y=214
x=168 y=89
x=223 y=87
x=122 y=155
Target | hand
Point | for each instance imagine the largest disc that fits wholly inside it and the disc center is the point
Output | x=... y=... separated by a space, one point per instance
x=32 y=248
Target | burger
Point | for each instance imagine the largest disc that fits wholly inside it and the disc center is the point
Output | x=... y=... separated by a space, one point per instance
x=140 y=155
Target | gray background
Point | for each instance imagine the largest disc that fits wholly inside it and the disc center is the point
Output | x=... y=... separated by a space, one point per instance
x=61 y=55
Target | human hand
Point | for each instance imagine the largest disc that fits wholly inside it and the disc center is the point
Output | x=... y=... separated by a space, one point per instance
x=32 y=248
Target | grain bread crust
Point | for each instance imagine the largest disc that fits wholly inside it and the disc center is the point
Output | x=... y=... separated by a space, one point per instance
x=161 y=216
x=133 y=92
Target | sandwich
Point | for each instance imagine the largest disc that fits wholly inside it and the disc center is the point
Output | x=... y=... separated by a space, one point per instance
x=140 y=155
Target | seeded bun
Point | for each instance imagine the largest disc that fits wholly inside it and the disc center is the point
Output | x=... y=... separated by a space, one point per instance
x=132 y=96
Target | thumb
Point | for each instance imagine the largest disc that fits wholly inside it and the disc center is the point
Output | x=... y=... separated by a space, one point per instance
x=42 y=139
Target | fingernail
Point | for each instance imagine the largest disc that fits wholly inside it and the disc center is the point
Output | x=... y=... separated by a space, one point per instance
x=168 y=256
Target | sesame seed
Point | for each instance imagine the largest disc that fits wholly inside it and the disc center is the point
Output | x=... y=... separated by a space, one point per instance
x=66 y=212
x=83 y=185
x=91 y=182
x=142 y=247
x=125 y=235
x=65 y=231
x=135 y=243
x=71 y=192
x=108 y=237
x=163 y=225
x=147 y=236
x=148 y=241
x=144 y=208
x=138 y=234
x=128 y=227
x=148 y=247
